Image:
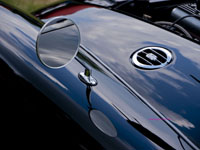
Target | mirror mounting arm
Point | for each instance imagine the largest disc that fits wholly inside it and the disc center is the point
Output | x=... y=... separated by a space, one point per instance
x=86 y=77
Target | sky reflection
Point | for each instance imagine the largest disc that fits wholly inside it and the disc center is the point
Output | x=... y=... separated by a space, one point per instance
x=113 y=37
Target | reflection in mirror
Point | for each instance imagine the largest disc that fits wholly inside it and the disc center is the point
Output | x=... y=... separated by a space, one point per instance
x=58 y=42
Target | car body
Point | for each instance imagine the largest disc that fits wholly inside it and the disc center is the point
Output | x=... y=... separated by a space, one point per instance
x=131 y=107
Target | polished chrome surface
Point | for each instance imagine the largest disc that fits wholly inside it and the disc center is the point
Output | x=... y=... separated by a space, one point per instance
x=151 y=58
x=58 y=42
x=87 y=78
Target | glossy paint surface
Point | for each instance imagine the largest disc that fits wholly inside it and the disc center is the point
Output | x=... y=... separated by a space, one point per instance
x=60 y=9
x=130 y=117
x=174 y=89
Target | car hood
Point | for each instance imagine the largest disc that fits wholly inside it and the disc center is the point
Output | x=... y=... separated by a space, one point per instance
x=174 y=90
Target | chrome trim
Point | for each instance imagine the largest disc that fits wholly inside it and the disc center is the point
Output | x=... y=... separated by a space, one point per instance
x=134 y=58
x=52 y=29
x=87 y=78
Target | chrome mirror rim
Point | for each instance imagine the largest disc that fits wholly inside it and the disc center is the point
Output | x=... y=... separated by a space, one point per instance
x=40 y=32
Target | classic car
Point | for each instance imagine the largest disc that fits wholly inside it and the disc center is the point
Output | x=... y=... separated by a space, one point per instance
x=123 y=74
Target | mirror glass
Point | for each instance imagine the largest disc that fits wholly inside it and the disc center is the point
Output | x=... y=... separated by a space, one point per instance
x=58 y=42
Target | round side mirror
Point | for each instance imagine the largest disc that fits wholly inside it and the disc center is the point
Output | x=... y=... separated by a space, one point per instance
x=58 y=42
